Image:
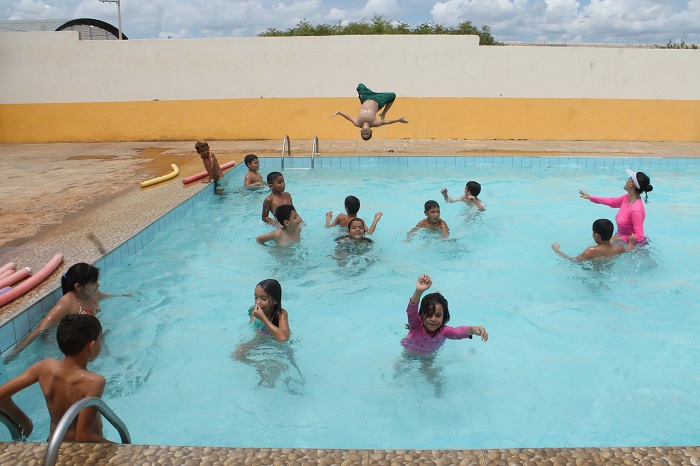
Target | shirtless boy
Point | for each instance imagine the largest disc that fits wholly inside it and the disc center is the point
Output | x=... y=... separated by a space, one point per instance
x=277 y=198
x=471 y=193
x=432 y=220
x=602 y=232
x=289 y=232
x=371 y=103
x=211 y=165
x=352 y=207
x=252 y=178
x=64 y=382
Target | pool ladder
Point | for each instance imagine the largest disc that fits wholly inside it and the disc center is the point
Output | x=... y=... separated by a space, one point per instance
x=65 y=422
x=287 y=149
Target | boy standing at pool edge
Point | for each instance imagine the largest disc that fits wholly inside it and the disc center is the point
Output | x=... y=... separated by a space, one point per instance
x=277 y=198
x=432 y=220
x=64 y=382
x=211 y=165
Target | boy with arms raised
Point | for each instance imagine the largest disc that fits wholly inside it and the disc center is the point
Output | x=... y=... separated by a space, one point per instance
x=602 y=232
x=352 y=207
x=277 y=198
x=289 y=232
x=64 y=382
x=471 y=193
x=432 y=220
x=252 y=178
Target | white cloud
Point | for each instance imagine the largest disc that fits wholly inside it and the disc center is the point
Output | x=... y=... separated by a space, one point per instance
x=385 y=8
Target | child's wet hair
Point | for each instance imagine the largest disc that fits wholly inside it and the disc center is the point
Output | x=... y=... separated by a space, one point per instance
x=283 y=213
x=352 y=204
x=604 y=228
x=75 y=331
x=427 y=307
x=249 y=159
x=431 y=205
x=272 y=176
x=79 y=274
x=274 y=290
x=200 y=145
x=474 y=188
x=356 y=220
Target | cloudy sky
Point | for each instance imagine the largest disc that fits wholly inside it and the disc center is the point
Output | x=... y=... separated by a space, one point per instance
x=611 y=21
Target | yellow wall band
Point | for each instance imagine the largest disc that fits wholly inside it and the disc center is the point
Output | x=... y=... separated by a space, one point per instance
x=304 y=118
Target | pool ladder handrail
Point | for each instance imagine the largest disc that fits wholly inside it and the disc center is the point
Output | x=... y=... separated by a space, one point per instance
x=287 y=149
x=15 y=430
x=68 y=418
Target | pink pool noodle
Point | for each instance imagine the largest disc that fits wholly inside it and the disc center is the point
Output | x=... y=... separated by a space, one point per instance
x=8 y=266
x=15 y=277
x=6 y=273
x=199 y=176
x=31 y=282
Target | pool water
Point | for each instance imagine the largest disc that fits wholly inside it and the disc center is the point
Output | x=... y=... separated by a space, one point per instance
x=578 y=355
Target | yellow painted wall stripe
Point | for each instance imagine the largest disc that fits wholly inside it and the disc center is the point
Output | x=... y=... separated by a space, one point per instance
x=303 y=118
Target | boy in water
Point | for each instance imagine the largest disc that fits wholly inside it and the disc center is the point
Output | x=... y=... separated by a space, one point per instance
x=64 y=382
x=471 y=193
x=371 y=102
x=432 y=220
x=352 y=207
x=211 y=165
x=252 y=178
x=277 y=198
x=289 y=232
x=602 y=232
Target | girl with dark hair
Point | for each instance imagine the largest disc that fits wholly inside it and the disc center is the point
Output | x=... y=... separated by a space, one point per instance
x=267 y=314
x=630 y=217
x=81 y=295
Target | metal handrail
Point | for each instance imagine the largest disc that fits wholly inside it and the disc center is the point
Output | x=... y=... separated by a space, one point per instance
x=286 y=147
x=15 y=430
x=69 y=417
x=314 y=150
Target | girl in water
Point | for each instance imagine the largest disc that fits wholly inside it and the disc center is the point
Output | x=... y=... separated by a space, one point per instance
x=630 y=217
x=356 y=233
x=81 y=295
x=427 y=332
x=271 y=359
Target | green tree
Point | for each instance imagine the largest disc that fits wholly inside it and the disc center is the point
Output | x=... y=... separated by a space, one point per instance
x=379 y=26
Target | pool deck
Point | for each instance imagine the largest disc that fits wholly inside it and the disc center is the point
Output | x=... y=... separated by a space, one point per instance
x=83 y=200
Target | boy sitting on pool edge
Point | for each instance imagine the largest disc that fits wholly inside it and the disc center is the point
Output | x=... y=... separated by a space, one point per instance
x=64 y=382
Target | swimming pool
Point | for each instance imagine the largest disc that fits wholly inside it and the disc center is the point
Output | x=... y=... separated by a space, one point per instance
x=576 y=356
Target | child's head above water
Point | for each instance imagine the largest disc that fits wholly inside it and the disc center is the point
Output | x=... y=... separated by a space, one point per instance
x=80 y=275
x=356 y=228
x=473 y=188
x=604 y=228
x=352 y=205
x=284 y=213
x=75 y=331
x=434 y=311
x=276 y=181
x=250 y=158
x=268 y=295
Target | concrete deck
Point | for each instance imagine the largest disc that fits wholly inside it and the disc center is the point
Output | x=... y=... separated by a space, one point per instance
x=83 y=200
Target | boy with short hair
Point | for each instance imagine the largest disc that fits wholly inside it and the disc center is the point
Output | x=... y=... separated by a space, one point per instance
x=471 y=193
x=289 y=232
x=211 y=165
x=64 y=382
x=277 y=198
x=432 y=220
x=602 y=232
x=352 y=207
x=252 y=178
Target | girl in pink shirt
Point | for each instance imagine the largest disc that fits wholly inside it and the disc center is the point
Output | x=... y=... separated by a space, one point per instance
x=426 y=327
x=630 y=217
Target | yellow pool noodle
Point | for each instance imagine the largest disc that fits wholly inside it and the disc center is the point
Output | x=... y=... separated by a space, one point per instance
x=173 y=174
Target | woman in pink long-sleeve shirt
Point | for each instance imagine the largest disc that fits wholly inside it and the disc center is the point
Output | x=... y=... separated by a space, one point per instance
x=630 y=217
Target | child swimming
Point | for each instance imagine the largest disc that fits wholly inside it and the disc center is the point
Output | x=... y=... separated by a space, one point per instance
x=471 y=193
x=356 y=233
x=267 y=314
x=289 y=232
x=426 y=327
x=432 y=220
x=253 y=178
x=352 y=207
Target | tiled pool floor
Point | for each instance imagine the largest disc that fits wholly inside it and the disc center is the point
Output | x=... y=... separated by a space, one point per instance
x=83 y=200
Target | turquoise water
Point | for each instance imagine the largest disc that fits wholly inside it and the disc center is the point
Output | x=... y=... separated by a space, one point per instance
x=577 y=355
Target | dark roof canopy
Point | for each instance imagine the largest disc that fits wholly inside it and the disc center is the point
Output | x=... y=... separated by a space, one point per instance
x=87 y=28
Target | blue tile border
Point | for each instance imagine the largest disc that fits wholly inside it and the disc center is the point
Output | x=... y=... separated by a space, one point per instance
x=20 y=325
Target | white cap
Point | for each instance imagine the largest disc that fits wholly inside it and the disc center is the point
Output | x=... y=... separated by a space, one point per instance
x=633 y=175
